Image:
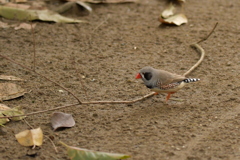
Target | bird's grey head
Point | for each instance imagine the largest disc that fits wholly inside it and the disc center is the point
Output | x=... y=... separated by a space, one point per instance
x=147 y=76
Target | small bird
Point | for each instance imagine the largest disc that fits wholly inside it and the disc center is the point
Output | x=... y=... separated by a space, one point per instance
x=161 y=81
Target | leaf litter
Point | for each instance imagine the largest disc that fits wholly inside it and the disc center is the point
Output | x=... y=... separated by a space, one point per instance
x=10 y=91
x=30 y=14
x=33 y=137
x=6 y=111
x=75 y=153
x=60 y=120
x=169 y=16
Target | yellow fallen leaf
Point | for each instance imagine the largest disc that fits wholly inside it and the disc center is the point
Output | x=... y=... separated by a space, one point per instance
x=33 y=137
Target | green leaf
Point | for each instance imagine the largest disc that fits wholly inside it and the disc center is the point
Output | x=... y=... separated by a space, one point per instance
x=75 y=153
x=14 y=112
x=3 y=120
x=44 y=15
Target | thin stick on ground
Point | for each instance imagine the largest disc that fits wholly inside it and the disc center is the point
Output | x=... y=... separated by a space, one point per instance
x=204 y=39
x=195 y=45
x=24 y=120
x=201 y=50
x=91 y=102
x=34 y=50
x=54 y=146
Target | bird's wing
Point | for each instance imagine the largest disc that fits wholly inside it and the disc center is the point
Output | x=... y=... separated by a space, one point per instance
x=168 y=78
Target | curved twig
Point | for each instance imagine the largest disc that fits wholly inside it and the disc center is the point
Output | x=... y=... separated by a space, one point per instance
x=201 y=50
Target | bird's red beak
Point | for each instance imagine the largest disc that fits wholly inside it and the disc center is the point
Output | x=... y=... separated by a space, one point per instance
x=138 y=76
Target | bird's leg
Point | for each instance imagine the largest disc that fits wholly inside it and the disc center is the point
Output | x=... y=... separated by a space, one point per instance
x=168 y=96
x=156 y=93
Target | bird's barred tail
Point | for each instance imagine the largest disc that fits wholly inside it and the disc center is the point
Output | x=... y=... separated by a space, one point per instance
x=188 y=80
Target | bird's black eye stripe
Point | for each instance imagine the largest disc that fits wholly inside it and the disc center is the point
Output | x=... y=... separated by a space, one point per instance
x=147 y=75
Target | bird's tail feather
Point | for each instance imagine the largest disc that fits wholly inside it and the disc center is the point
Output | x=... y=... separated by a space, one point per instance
x=188 y=80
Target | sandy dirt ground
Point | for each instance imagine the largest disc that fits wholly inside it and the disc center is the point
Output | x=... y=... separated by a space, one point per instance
x=108 y=52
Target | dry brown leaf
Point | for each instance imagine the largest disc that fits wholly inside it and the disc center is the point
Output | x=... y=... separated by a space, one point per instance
x=4 y=107
x=33 y=137
x=169 y=16
x=10 y=78
x=22 y=6
x=169 y=11
x=106 y=1
x=4 y=25
x=177 y=19
x=25 y=26
x=10 y=91
x=60 y=119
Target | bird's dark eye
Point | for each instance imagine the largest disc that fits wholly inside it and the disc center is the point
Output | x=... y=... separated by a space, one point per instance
x=147 y=75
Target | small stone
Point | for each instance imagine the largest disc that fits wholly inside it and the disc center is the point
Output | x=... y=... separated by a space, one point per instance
x=95 y=115
x=229 y=64
x=61 y=91
x=32 y=153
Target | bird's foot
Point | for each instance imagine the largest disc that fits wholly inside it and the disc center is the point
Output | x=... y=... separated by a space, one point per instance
x=168 y=96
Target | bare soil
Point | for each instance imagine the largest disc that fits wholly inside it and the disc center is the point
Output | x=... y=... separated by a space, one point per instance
x=106 y=54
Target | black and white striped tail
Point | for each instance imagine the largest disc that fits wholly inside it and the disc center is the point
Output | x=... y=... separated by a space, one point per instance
x=188 y=80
